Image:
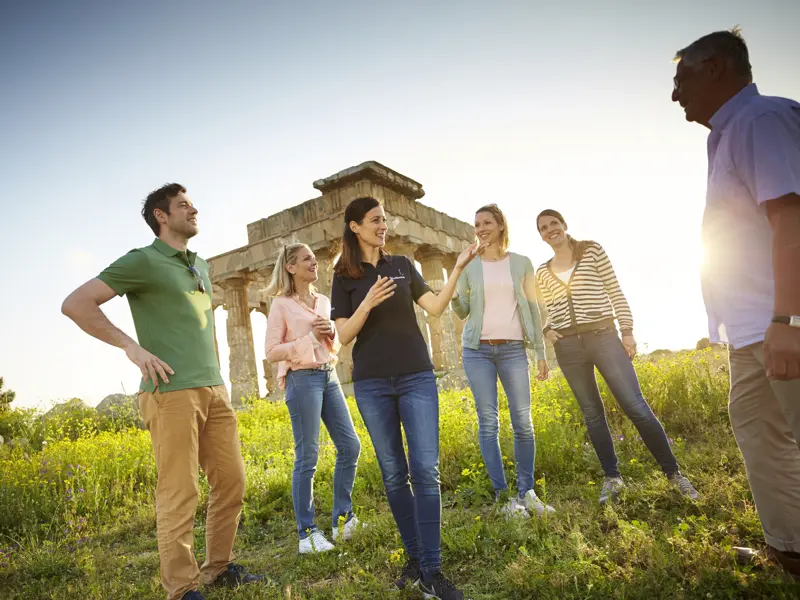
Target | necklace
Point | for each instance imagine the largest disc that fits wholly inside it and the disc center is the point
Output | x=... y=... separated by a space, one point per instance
x=494 y=259
x=307 y=300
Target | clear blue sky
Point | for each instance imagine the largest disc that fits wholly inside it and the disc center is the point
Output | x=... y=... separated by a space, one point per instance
x=527 y=104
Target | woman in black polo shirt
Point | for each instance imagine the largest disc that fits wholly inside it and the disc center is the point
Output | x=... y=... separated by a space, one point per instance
x=373 y=297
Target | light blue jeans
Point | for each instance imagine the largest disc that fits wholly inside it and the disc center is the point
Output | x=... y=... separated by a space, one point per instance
x=315 y=396
x=510 y=362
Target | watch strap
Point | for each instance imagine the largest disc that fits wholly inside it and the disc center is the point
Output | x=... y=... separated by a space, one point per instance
x=793 y=321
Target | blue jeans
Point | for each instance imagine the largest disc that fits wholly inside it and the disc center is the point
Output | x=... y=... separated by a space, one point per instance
x=577 y=356
x=483 y=366
x=410 y=401
x=314 y=396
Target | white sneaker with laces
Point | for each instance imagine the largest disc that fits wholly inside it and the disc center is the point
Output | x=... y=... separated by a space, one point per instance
x=535 y=505
x=514 y=509
x=348 y=529
x=316 y=542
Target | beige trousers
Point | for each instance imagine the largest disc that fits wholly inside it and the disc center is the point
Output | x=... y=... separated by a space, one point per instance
x=192 y=427
x=765 y=416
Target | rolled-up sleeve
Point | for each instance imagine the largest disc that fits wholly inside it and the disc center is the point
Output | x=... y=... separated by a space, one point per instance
x=769 y=159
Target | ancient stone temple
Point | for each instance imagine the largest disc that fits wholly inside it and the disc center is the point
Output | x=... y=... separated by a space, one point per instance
x=428 y=236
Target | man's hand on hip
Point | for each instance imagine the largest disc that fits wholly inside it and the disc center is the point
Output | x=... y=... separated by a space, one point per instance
x=148 y=364
x=782 y=352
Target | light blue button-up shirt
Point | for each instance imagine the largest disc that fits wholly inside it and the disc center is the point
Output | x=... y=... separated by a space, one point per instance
x=753 y=157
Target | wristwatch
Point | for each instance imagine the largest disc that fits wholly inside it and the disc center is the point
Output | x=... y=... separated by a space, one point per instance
x=790 y=321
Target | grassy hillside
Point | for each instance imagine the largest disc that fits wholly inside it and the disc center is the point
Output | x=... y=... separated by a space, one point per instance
x=77 y=515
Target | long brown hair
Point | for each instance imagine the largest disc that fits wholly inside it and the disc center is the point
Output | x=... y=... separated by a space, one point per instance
x=578 y=247
x=348 y=264
x=500 y=218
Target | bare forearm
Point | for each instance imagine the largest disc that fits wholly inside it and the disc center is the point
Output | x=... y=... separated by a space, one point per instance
x=351 y=327
x=435 y=304
x=786 y=259
x=784 y=218
x=88 y=316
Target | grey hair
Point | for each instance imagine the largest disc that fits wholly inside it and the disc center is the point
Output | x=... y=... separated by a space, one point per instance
x=282 y=282
x=728 y=44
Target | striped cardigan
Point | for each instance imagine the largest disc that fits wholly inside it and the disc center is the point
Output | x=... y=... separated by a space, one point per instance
x=592 y=294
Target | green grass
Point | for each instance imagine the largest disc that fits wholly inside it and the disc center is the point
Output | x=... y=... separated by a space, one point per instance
x=77 y=516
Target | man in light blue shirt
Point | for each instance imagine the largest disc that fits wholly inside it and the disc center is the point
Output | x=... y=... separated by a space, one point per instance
x=751 y=276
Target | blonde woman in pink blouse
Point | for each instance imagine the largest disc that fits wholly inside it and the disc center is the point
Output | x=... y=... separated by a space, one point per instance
x=303 y=341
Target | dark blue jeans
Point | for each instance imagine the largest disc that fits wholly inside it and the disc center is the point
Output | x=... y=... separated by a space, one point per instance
x=577 y=356
x=410 y=401
x=314 y=397
x=510 y=363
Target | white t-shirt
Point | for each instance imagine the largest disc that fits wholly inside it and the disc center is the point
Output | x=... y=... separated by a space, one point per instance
x=565 y=275
x=501 y=319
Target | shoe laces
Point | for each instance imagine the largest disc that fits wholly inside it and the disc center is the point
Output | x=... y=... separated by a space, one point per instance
x=684 y=484
x=317 y=536
x=610 y=485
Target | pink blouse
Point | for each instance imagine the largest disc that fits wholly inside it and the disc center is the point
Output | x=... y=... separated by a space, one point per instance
x=290 y=337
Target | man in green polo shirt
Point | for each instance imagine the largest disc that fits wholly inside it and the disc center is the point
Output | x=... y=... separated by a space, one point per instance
x=182 y=399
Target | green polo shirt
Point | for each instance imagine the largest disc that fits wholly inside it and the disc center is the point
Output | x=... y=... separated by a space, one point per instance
x=173 y=319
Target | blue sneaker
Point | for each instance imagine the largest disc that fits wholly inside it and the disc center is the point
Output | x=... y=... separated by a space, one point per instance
x=193 y=595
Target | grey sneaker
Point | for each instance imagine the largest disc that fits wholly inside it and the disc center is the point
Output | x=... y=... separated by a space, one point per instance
x=684 y=485
x=611 y=488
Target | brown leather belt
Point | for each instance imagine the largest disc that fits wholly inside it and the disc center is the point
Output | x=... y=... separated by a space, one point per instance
x=497 y=342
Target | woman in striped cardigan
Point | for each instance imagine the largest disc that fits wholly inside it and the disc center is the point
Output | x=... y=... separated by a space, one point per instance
x=582 y=298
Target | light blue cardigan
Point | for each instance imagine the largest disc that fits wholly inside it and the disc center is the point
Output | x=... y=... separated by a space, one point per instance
x=469 y=304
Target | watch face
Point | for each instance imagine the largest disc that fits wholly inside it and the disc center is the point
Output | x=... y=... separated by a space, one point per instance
x=794 y=321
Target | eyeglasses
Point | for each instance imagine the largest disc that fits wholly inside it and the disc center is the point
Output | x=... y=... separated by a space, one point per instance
x=688 y=73
x=201 y=286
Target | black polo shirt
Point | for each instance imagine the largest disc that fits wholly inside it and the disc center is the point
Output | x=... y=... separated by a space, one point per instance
x=390 y=343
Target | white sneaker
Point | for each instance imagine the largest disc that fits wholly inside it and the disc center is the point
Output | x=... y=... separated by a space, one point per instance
x=315 y=542
x=515 y=509
x=535 y=505
x=348 y=529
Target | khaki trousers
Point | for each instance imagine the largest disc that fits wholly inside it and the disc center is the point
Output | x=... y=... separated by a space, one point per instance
x=765 y=416
x=192 y=427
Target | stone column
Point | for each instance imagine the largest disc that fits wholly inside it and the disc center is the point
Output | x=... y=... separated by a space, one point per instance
x=270 y=369
x=216 y=344
x=458 y=324
x=344 y=365
x=444 y=348
x=216 y=301
x=243 y=372
x=324 y=272
x=409 y=250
